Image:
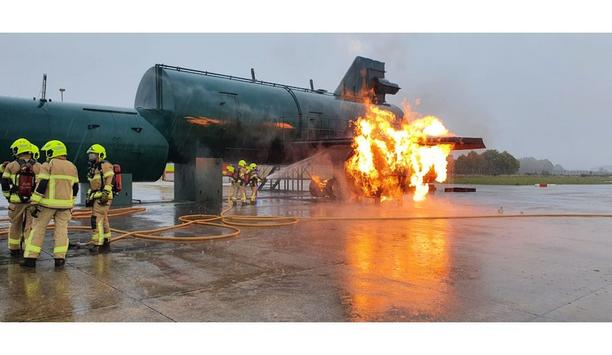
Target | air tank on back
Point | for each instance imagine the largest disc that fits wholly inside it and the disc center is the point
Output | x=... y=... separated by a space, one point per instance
x=208 y=114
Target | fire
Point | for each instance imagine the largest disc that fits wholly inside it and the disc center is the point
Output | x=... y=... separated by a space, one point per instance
x=387 y=159
x=321 y=188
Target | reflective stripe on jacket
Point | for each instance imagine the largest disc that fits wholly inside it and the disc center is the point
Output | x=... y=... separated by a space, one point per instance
x=61 y=175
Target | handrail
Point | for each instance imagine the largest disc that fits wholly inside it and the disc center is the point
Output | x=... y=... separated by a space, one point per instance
x=245 y=80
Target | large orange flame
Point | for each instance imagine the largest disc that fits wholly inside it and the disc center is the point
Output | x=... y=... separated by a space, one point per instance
x=387 y=159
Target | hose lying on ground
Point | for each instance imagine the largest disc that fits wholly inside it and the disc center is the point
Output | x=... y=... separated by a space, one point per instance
x=232 y=222
x=219 y=221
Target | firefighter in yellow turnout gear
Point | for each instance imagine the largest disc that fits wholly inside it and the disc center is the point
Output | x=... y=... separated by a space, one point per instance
x=254 y=181
x=53 y=198
x=99 y=197
x=18 y=183
x=243 y=181
x=230 y=171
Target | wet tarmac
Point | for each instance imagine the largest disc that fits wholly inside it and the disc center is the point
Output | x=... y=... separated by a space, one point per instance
x=424 y=270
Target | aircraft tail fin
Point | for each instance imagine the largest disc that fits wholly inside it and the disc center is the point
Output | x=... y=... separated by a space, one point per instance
x=365 y=80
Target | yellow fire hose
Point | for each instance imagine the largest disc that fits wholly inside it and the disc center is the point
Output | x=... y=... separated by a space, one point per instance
x=227 y=222
x=232 y=222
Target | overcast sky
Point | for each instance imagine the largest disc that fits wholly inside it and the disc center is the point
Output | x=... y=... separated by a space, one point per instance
x=541 y=95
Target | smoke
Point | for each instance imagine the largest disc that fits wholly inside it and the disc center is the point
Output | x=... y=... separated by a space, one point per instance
x=425 y=90
x=461 y=113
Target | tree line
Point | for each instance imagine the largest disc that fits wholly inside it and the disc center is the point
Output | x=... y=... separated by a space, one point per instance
x=490 y=162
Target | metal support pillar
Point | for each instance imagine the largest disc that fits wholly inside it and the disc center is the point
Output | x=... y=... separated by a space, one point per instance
x=201 y=181
x=124 y=198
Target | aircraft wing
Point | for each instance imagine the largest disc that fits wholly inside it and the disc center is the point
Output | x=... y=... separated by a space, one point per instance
x=458 y=143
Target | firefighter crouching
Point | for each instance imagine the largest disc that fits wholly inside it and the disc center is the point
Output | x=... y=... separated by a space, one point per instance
x=18 y=183
x=99 y=197
x=53 y=198
x=254 y=181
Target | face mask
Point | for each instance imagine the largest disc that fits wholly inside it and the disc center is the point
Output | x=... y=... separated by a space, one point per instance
x=93 y=157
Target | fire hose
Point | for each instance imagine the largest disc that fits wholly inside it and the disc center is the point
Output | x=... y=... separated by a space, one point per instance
x=232 y=222
x=220 y=221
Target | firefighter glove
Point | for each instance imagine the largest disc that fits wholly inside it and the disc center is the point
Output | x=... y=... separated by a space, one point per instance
x=35 y=211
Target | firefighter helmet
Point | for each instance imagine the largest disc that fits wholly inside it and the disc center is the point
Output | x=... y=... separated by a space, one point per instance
x=242 y=163
x=35 y=152
x=230 y=168
x=252 y=166
x=21 y=146
x=97 y=149
x=54 y=149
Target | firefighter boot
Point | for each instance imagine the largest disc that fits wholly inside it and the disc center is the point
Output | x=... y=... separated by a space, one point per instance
x=28 y=262
x=94 y=249
x=105 y=247
x=16 y=253
x=60 y=262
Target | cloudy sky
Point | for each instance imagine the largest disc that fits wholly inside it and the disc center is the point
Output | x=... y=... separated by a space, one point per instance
x=541 y=95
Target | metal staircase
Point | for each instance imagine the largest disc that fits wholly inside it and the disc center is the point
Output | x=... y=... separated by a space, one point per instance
x=296 y=177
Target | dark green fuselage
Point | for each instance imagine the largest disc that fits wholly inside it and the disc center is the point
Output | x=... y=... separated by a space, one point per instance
x=181 y=113
x=236 y=118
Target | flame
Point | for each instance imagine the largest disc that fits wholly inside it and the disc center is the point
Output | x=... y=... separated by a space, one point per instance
x=388 y=160
x=320 y=187
x=317 y=181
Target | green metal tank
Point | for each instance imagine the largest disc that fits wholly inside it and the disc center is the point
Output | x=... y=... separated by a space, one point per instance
x=129 y=139
x=217 y=115
x=182 y=113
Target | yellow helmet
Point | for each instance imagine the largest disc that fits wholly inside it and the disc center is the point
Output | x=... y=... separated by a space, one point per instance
x=230 y=168
x=252 y=166
x=97 y=149
x=35 y=152
x=21 y=146
x=54 y=149
x=242 y=163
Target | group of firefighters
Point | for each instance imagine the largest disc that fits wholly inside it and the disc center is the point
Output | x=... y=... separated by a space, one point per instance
x=240 y=177
x=39 y=192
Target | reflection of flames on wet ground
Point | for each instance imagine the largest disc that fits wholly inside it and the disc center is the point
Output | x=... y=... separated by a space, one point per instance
x=388 y=159
x=404 y=271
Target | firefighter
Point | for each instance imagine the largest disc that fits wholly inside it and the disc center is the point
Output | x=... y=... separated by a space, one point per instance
x=18 y=183
x=99 y=197
x=230 y=171
x=243 y=180
x=254 y=181
x=37 y=166
x=53 y=198
x=35 y=152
